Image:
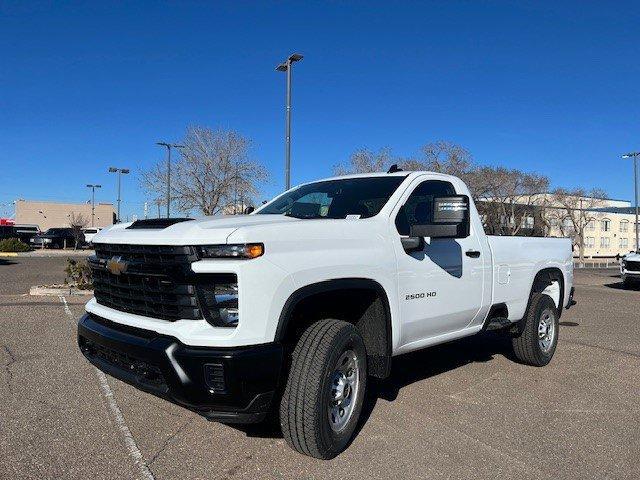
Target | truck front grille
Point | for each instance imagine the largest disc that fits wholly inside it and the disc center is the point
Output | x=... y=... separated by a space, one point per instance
x=633 y=266
x=150 y=280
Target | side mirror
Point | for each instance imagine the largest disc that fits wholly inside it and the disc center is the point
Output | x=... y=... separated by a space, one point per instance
x=249 y=210
x=449 y=219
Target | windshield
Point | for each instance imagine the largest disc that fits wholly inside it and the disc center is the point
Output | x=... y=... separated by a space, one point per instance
x=56 y=231
x=363 y=197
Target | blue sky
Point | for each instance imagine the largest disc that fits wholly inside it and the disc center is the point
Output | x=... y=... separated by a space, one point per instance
x=551 y=87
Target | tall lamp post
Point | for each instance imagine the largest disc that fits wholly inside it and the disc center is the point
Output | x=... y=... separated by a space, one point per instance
x=286 y=67
x=93 y=202
x=169 y=146
x=635 y=156
x=120 y=172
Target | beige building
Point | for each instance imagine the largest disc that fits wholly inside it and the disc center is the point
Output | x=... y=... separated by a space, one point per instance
x=609 y=232
x=609 y=228
x=53 y=214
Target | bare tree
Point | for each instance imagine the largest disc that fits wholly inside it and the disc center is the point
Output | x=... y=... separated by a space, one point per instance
x=572 y=210
x=77 y=221
x=366 y=161
x=214 y=171
x=447 y=157
x=512 y=199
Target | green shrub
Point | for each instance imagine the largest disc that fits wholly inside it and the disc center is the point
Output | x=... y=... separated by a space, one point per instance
x=13 y=245
x=78 y=274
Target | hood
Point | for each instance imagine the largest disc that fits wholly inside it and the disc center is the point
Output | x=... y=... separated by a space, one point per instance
x=634 y=257
x=199 y=231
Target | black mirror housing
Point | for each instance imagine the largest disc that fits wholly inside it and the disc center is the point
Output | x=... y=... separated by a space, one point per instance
x=450 y=219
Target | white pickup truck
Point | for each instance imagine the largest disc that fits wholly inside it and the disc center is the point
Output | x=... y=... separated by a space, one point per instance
x=630 y=269
x=289 y=309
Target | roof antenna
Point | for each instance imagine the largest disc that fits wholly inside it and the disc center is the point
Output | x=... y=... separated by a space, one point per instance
x=394 y=168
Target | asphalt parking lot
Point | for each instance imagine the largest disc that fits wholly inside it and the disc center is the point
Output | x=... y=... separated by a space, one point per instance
x=461 y=410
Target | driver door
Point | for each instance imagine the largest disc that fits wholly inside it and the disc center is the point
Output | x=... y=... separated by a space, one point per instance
x=440 y=287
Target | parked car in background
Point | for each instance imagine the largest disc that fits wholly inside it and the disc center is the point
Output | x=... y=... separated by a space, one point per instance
x=89 y=233
x=630 y=269
x=26 y=232
x=56 y=238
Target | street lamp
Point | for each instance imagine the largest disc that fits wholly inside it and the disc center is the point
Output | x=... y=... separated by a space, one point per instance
x=169 y=145
x=635 y=156
x=119 y=171
x=93 y=201
x=286 y=67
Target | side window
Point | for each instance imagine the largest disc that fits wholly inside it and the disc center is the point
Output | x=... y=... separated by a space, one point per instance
x=417 y=208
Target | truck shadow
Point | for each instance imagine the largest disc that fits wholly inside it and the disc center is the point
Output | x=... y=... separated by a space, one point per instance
x=411 y=368
x=620 y=286
x=431 y=362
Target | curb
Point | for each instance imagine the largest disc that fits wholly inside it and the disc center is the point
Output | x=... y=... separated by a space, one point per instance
x=8 y=254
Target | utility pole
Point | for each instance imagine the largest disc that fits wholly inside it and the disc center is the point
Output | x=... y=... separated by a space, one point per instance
x=93 y=202
x=120 y=172
x=635 y=156
x=169 y=146
x=286 y=67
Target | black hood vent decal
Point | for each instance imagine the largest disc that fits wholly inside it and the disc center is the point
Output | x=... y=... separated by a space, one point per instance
x=156 y=223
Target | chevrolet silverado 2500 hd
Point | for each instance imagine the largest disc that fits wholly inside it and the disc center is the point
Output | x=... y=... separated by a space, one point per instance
x=294 y=306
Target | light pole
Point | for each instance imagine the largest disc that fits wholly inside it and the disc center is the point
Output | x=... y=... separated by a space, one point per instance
x=169 y=145
x=119 y=171
x=635 y=156
x=93 y=202
x=286 y=67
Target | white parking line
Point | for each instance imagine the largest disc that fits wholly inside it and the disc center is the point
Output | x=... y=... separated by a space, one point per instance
x=107 y=393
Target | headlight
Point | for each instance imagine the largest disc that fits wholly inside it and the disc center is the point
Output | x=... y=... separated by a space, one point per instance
x=47 y=240
x=243 y=250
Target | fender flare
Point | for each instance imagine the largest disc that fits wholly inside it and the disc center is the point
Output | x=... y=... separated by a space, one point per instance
x=336 y=285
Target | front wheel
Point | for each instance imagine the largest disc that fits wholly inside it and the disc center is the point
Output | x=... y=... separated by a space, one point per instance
x=325 y=390
x=537 y=342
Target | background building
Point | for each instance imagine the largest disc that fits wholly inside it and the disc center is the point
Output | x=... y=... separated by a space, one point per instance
x=606 y=226
x=52 y=214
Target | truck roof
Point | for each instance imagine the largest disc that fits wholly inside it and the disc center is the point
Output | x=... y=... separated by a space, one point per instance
x=402 y=173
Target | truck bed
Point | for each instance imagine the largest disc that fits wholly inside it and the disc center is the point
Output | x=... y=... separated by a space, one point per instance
x=516 y=259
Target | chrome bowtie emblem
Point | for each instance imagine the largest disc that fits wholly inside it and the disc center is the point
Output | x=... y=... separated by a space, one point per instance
x=116 y=265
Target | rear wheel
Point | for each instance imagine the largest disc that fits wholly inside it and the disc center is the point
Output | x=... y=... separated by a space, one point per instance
x=325 y=390
x=537 y=342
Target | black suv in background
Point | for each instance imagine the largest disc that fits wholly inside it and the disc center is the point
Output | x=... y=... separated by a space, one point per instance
x=57 y=238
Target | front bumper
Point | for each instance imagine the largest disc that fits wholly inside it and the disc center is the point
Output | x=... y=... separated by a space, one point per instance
x=630 y=276
x=234 y=385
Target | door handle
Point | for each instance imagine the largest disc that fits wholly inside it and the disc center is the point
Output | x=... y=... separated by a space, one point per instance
x=472 y=253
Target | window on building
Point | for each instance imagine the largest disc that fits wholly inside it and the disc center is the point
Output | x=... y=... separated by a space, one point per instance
x=591 y=225
x=590 y=242
x=605 y=242
x=527 y=222
x=605 y=225
x=624 y=242
x=624 y=226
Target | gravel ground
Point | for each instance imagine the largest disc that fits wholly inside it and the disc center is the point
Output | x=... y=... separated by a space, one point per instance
x=461 y=410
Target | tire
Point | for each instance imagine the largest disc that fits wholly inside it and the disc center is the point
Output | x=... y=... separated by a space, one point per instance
x=310 y=415
x=530 y=347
